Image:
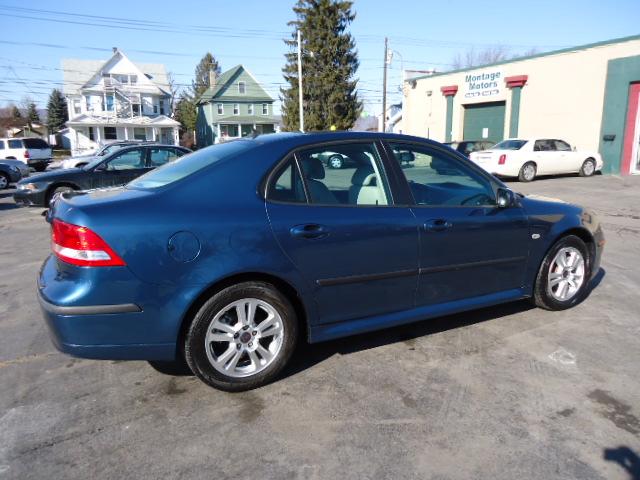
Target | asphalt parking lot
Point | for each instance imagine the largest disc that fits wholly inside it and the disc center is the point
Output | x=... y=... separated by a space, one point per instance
x=509 y=392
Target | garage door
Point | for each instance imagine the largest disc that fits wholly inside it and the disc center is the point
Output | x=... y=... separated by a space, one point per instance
x=484 y=121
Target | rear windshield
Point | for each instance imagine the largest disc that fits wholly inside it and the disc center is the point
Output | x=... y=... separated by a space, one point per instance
x=35 y=143
x=184 y=166
x=510 y=145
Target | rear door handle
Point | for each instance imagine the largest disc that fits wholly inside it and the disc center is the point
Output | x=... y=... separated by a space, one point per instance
x=309 y=230
x=437 y=225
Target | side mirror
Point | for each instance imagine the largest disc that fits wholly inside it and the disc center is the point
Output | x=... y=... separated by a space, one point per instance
x=101 y=168
x=505 y=198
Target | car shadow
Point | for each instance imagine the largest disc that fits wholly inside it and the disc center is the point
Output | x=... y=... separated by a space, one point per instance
x=307 y=355
x=626 y=458
x=542 y=178
x=8 y=206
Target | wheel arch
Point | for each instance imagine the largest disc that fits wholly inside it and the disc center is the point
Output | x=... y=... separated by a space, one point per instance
x=282 y=285
x=580 y=232
x=53 y=186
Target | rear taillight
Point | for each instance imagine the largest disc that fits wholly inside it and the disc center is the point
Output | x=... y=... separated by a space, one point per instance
x=502 y=159
x=80 y=246
x=27 y=154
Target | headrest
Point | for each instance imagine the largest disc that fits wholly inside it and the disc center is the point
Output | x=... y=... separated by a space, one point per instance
x=362 y=175
x=312 y=167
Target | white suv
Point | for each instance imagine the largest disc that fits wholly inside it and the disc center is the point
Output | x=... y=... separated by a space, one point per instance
x=35 y=152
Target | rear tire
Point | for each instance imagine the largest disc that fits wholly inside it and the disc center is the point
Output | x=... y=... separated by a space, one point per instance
x=588 y=168
x=4 y=181
x=552 y=280
x=527 y=172
x=234 y=351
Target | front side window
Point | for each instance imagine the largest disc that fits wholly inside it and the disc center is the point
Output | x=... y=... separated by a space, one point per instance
x=562 y=146
x=436 y=179
x=286 y=185
x=242 y=88
x=544 y=146
x=127 y=160
x=344 y=174
x=160 y=156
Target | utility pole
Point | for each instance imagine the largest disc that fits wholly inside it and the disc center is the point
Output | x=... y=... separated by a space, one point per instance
x=384 y=87
x=300 y=82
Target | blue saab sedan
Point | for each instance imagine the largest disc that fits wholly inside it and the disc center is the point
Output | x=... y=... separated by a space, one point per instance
x=228 y=257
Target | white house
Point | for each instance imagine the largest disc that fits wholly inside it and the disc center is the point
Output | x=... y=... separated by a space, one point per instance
x=117 y=100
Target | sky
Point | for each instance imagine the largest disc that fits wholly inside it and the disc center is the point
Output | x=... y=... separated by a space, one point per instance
x=37 y=34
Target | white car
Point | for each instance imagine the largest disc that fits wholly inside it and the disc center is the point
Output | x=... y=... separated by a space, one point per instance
x=33 y=152
x=526 y=159
x=82 y=160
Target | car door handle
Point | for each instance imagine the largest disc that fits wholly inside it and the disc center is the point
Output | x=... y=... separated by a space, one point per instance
x=309 y=230
x=437 y=225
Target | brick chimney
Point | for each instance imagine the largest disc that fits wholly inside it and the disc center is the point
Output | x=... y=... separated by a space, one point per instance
x=212 y=78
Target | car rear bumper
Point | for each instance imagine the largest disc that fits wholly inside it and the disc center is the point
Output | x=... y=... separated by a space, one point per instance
x=123 y=320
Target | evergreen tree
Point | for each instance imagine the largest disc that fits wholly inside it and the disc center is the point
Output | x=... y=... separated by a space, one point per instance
x=329 y=65
x=57 y=113
x=201 y=82
x=32 y=114
x=186 y=112
x=15 y=113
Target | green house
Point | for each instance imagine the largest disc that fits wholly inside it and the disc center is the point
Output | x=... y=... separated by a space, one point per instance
x=234 y=106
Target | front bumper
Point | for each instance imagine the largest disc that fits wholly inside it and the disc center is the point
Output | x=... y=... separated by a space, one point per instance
x=30 y=198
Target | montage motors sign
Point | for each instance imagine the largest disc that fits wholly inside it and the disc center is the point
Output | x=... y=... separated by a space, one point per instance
x=483 y=84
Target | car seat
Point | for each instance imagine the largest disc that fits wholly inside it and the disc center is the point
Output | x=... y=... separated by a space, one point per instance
x=314 y=171
x=364 y=188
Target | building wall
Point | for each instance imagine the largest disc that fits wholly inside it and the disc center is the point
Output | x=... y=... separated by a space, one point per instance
x=563 y=96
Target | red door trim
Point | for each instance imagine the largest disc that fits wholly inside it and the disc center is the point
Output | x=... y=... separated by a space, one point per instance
x=630 y=127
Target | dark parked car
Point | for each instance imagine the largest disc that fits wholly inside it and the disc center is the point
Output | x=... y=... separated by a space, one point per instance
x=112 y=170
x=467 y=146
x=9 y=173
x=225 y=256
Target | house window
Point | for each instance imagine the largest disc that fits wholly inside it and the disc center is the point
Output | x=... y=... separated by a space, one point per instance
x=161 y=107
x=242 y=88
x=250 y=108
x=136 y=109
x=133 y=79
x=155 y=108
x=91 y=134
x=76 y=106
x=140 y=133
x=220 y=109
x=236 y=109
x=109 y=100
x=110 y=133
x=265 y=109
x=87 y=102
x=228 y=130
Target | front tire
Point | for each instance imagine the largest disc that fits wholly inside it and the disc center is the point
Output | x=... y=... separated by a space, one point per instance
x=563 y=279
x=527 y=172
x=242 y=337
x=588 y=168
x=336 y=162
x=4 y=181
x=57 y=190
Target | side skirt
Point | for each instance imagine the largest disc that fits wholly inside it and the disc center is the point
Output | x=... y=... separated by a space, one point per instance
x=321 y=333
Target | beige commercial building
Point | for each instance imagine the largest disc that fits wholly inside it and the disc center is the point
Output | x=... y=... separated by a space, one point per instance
x=586 y=95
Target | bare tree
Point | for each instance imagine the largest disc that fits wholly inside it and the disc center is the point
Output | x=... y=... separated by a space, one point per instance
x=173 y=90
x=476 y=58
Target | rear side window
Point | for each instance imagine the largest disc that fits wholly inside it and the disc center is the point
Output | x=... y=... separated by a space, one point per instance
x=562 y=146
x=286 y=185
x=344 y=174
x=160 y=156
x=35 y=143
x=189 y=164
x=544 y=146
x=15 y=143
x=1 y=144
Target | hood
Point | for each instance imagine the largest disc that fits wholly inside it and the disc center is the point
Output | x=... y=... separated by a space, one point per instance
x=52 y=175
x=15 y=163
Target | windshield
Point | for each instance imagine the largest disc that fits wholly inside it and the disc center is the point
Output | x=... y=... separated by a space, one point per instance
x=110 y=149
x=191 y=163
x=509 y=145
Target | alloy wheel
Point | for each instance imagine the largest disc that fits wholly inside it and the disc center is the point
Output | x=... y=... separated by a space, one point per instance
x=244 y=338
x=529 y=172
x=4 y=183
x=566 y=274
x=588 y=168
